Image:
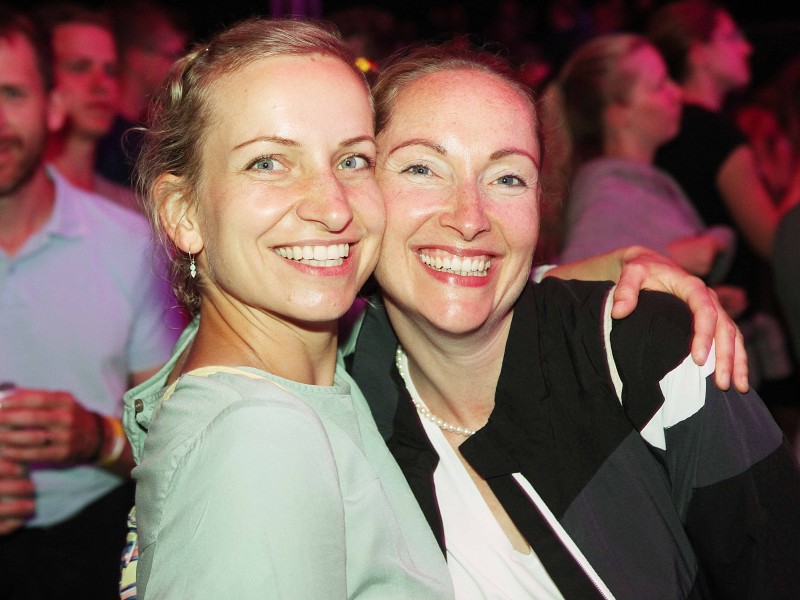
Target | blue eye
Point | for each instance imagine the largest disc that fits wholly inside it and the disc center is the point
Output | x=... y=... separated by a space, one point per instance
x=355 y=162
x=417 y=170
x=511 y=181
x=265 y=163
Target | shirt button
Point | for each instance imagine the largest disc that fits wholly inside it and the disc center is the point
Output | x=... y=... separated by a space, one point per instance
x=138 y=406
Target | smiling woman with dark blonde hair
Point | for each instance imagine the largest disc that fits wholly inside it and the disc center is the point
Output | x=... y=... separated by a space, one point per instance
x=262 y=473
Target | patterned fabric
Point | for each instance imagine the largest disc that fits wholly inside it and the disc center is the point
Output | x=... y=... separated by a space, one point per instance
x=129 y=560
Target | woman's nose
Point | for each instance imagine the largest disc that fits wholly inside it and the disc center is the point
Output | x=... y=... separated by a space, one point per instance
x=467 y=213
x=326 y=201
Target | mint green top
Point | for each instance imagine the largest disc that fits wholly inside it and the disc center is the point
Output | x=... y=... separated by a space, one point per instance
x=254 y=486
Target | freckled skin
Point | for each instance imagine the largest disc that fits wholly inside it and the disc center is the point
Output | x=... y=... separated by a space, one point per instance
x=458 y=168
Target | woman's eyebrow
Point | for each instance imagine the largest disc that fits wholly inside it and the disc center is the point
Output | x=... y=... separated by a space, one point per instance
x=357 y=140
x=292 y=143
x=509 y=151
x=268 y=138
x=419 y=142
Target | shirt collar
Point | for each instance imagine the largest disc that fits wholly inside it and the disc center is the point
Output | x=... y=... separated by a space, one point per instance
x=68 y=219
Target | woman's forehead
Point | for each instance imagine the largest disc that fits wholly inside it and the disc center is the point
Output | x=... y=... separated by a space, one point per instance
x=466 y=99
x=463 y=89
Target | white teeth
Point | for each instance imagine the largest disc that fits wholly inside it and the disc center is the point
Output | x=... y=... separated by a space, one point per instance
x=467 y=267
x=317 y=256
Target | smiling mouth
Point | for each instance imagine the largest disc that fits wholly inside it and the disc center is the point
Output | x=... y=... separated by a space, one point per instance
x=316 y=256
x=466 y=266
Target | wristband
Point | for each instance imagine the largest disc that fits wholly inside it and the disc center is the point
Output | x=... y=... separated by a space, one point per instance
x=117 y=446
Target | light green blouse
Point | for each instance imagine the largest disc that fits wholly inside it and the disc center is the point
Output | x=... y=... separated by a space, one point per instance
x=254 y=486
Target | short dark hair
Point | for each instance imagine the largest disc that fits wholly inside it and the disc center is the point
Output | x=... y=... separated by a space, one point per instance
x=674 y=27
x=53 y=14
x=13 y=22
x=138 y=22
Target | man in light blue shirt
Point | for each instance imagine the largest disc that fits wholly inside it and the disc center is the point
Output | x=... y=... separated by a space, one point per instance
x=82 y=317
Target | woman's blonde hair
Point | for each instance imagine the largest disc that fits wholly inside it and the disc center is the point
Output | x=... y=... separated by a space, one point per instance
x=594 y=77
x=181 y=114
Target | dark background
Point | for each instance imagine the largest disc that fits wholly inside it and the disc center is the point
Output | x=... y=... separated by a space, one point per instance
x=773 y=26
x=208 y=16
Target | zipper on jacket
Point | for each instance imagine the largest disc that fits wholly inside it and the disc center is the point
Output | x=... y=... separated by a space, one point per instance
x=564 y=537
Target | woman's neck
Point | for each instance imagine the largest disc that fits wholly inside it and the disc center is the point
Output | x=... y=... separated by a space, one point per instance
x=234 y=335
x=455 y=375
x=622 y=144
x=703 y=91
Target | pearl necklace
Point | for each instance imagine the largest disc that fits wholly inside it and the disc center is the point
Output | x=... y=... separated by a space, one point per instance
x=401 y=360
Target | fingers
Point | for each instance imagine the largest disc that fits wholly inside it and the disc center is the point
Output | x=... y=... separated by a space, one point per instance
x=626 y=294
x=712 y=323
x=38 y=425
x=16 y=497
x=10 y=525
x=34 y=399
x=705 y=320
x=34 y=445
x=731 y=356
x=725 y=351
x=35 y=408
x=11 y=470
x=741 y=377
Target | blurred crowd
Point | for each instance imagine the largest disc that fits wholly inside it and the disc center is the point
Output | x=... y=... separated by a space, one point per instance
x=139 y=41
x=133 y=45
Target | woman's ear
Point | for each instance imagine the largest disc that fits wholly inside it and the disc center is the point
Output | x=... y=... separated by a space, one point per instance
x=697 y=56
x=178 y=213
x=615 y=115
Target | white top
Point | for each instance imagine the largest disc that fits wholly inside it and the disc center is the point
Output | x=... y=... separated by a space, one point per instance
x=481 y=559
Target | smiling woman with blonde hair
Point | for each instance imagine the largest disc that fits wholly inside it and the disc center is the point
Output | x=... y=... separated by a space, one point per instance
x=262 y=473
